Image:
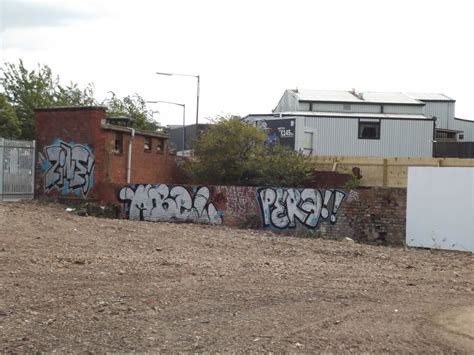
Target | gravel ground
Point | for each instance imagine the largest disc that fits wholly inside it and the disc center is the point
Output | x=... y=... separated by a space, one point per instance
x=82 y=284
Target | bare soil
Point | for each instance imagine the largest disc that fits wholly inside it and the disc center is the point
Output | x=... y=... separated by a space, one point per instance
x=82 y=284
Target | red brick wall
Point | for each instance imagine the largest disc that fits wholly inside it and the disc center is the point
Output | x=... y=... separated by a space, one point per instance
x=374 y=215
x=70 y=125
x=82 y=125
x=146 y=165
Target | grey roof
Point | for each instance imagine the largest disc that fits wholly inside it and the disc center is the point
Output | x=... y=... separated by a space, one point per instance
x=389 y=97
x=400 y=116
x=325 y=95
x=429 y=96
x=354 y=97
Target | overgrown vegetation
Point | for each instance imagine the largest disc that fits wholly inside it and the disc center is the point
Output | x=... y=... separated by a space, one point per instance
x=134 y=107
x=23 y=90
x=234 y=152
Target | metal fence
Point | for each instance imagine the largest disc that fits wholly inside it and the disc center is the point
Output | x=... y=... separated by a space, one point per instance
x=454 y=150
x=17 y=169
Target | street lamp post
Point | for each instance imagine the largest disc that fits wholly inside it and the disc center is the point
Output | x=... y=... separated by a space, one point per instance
x=184 y=117
x=197 y=94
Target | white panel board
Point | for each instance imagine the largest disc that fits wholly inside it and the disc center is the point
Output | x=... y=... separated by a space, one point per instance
x=440 y=208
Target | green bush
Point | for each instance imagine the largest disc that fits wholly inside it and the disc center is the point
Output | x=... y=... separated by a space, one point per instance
x=234 y=152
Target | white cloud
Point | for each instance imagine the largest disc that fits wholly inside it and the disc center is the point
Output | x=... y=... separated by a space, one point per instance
x=34 y=14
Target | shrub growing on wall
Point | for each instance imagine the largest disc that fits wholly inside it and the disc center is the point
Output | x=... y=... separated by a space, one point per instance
x=234 y=152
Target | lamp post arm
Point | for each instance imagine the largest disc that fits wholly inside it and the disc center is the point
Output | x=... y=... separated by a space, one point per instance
x=198 y=89
x=184 y=116
x=170 y=74
x=164 y=102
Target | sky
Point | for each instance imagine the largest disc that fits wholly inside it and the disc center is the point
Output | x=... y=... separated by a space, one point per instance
x=247 y=53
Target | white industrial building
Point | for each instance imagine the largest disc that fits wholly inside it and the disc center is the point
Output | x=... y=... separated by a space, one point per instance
x=351 y=123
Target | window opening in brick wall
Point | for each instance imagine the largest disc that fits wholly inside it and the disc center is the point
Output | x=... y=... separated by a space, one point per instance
x=160 y=146
x=118 y=142
x=147 y=144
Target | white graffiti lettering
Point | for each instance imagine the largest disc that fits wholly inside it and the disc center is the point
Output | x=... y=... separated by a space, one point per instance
x=282 y=207
x=68 y=167
x=161 y=203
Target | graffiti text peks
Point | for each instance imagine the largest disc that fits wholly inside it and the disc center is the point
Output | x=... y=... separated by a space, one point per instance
x=281 y=207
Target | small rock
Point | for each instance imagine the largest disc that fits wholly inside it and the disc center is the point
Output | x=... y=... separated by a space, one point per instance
x=121 y=272
x=158 y=249
x=348 y=240
x=69 y=209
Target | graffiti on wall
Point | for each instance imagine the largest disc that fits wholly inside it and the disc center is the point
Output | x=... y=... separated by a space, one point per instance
x=68 y=168
x=239 y=201
x=283 y=207
x=164 y=203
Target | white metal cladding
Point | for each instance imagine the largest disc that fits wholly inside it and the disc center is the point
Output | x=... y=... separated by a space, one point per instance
x=339 y=107
x=17 y=163
x=288 y=102
x=303 y=106
x=411 y=109
x=444 y=112
x=466 y=126
x=339 y=136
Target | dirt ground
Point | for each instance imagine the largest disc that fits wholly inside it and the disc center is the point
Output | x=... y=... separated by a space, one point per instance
x=78 y=284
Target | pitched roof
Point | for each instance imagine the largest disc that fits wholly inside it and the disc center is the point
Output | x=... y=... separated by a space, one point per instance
x=429 y=96
x=355 y=97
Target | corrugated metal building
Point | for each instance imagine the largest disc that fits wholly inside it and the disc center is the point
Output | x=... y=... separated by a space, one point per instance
x=351 y=123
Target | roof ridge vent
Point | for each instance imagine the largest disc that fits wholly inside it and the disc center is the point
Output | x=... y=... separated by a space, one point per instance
x=355 y=94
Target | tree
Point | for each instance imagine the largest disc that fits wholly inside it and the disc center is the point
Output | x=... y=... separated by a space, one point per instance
x=27 y=90
x=133 y=107
x=9 y=123
x=235 y=152
x=282 y=166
